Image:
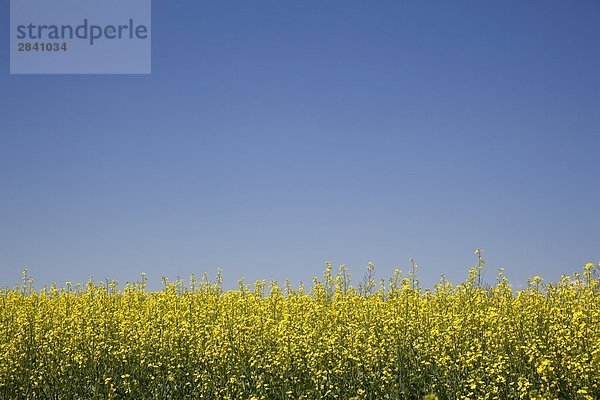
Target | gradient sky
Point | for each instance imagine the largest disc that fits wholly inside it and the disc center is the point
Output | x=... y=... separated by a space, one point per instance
x=273 y=136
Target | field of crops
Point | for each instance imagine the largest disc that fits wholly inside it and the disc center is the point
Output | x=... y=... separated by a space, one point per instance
x=385 y=339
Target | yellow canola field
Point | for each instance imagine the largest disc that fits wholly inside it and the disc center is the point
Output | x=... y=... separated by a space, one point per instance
x=385 y=340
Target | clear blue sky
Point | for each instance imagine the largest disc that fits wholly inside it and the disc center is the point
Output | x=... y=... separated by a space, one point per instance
x=275 y=135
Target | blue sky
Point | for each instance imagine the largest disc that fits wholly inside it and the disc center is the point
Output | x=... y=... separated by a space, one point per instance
x=274 y=136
